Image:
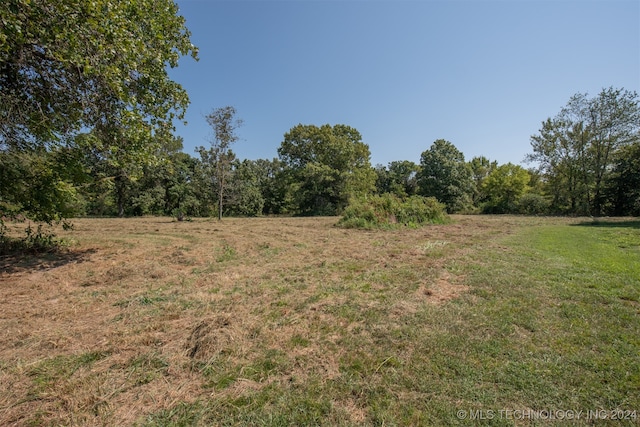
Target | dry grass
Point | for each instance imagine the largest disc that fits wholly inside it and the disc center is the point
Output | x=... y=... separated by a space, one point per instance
x=143 y=315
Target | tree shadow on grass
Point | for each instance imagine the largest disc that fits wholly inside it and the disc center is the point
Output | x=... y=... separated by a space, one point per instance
x=16 y=261
x=610 y=222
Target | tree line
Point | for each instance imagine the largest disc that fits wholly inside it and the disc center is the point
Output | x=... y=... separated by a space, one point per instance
x=86 y=128
x=587 y=162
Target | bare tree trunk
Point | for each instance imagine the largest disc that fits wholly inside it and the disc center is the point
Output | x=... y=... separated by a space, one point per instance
x=220 y=202
x=120 y=184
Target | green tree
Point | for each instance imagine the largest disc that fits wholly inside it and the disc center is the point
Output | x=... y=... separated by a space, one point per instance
x=118 y=185
x=404 y=177
x=152 y=196
x=98 y=190
x=446 y=176
x=40 y=182
x=504 y=186
x=326 y=166
x=383 y=179
x=71 y=65
x=274 y=185
x=181 y=198
x=556 y=155
x=246 y=197
x=481 y=167
x=220 y=157
x=167 y=187
x=613 y=123
x=399 y=178
x=623 y=186
x=577 y=148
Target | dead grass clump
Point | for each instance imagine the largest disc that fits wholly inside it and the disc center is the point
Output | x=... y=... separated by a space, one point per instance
x=120 y=272
x=211 y=337
x=355 y=412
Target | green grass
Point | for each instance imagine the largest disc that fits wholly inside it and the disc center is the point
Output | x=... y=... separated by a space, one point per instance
x=49 y=374
x=551 y=322
x=226 y=253
x=556 y=321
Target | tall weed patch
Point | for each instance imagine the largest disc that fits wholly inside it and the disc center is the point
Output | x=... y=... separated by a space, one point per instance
x=38 y=240
x=389 y=211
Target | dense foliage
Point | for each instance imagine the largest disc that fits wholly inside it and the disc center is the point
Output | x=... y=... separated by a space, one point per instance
x=68 y=66
x=326 y=166
x=504 y=187
x=446 y=176
x=389 y=211
x=320 y=170
x=585 y=149
x=400 y=178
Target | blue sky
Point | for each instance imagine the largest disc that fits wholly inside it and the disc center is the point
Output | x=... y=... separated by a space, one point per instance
x=481 y=74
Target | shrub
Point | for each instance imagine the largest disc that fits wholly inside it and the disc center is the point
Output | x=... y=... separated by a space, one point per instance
x=493 y=207
x=39 y=240
x=389 y=211
x=533 y=204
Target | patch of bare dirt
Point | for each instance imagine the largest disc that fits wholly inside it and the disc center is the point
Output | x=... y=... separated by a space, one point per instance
x=446 y=287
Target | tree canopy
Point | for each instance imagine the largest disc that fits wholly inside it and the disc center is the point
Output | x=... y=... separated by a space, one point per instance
x=577 y=149
x=328 y=165
x=69 y=67
x=399 y=178
x=503 y=187
x=445 y=175
x=72 y=64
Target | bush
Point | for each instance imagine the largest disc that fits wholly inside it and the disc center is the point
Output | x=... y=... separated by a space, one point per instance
x=533 y=204
x=389 y=211
x=494 y=207
x=36 y=241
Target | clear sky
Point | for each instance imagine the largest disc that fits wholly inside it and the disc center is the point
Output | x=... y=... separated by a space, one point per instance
x=481 y=74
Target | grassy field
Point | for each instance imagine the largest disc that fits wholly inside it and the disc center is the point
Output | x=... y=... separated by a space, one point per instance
x=292 y=321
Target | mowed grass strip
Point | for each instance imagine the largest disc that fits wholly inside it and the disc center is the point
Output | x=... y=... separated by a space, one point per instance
x=553 y=320
x=292 y=321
